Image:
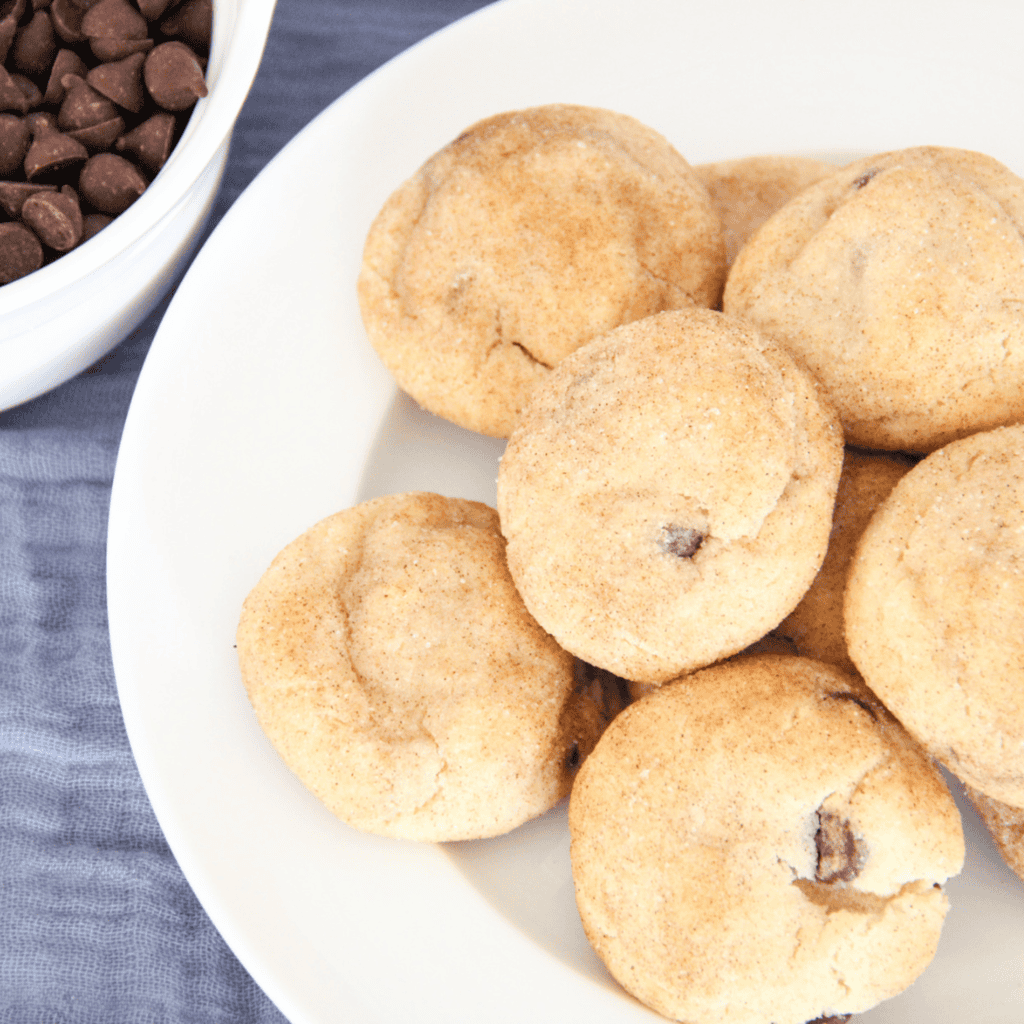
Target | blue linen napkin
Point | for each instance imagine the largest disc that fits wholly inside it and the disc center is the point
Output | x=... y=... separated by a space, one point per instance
x=97 y=923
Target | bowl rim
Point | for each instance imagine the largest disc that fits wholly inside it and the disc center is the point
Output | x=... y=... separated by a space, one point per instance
x=240 y=33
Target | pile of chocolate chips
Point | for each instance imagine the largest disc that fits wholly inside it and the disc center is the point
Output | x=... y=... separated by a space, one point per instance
x=93 y=97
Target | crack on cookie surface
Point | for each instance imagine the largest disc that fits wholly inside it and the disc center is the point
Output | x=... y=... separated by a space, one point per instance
x=853 y=698
x=439 y=786
x=840 y=897
x=832 y=897
x=501 y=342
x=529 y=355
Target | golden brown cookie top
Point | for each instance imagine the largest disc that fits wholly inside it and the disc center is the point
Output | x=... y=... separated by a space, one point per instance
x=934 y=608
x=1005 y=824
x=747 y=191
x=530 y=233
x=762 y=843
x=398 y=674
x=815 y=626
x=898 y=281
x=667 y=494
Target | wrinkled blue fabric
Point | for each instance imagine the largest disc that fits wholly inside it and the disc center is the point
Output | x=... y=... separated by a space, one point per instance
x=97 y=923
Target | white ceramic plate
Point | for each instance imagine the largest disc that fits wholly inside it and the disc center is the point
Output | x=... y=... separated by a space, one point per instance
x=261 y=409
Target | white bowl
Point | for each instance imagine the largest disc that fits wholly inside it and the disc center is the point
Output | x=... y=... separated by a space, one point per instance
x=64 y=316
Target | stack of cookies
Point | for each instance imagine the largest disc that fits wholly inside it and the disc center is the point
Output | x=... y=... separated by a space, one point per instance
x=760 y=481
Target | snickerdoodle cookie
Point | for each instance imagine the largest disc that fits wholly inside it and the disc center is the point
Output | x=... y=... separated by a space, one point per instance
x=1006 y=826
x=667 y=494
x=815 y=626
x=392 y=664
x=747 y=191
x=762 y=843
x=899 y=282
x=527 y=235
x=934 y=608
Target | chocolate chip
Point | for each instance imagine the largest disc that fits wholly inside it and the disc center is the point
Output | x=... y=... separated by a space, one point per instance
x=83 y=106
x=115 y=29
x=840 y=854
x=10 y=15
x=841 y=1018
x=99 y=137
x=174 y=76
x=14 y=142
x=681 y=541
x=32 y=93
x=149 y=143
x=67 y=21
x=55 y=217
x=20 y=252
x=93 y=224
x=14 y=193
x=865 y=177
x=572 y=761
x=121 y=81
x=192 y=22
x=12 y=93
x=67 y=62
x=35 y=45
x=41 y=121
x=110 y=183
x=114 y=19
x=51 y=153
x=116 y=49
